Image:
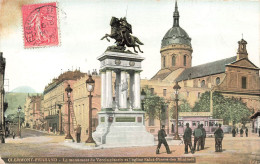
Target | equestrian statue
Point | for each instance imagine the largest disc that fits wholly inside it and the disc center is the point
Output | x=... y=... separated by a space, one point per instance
x=121 y=31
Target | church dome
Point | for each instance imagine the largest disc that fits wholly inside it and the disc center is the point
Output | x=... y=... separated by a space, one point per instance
x=176 y=35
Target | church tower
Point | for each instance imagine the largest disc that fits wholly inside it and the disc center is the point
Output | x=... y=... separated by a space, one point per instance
x=176 y=46
x=241 y=51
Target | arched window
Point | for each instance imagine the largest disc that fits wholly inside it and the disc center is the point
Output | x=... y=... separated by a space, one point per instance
x=217 y=80
x=173 y=60
x=203 y=83
x=164 y=61
x=184 y=60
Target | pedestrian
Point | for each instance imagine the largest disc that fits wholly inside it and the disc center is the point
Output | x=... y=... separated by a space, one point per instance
x=78 y=132
x=219 y=135
x=162 y=140
x=246 y=132
x=241 y=132
x=13 y=134
x=237 y=130
x=197 y=137
x=233 y=132
x=187 y=139
x=203 y=138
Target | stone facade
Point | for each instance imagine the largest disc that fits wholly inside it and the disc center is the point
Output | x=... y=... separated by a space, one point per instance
x=176 y=56
x=55 y=95
x=28 y=122
x=2 y=94
x=33 y=111
x=81 y=103
x=162 y=89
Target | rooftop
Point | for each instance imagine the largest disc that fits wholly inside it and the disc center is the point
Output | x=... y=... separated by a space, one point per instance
x=211 y=68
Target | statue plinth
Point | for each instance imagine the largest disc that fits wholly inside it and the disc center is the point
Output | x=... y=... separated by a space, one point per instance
x=121 y=121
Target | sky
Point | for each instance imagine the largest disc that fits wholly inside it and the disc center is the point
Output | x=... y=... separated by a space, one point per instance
x=214 y=26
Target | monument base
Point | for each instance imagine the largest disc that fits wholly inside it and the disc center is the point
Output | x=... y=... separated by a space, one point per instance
x=92 y=145
x=69 y=140
x=122 y=128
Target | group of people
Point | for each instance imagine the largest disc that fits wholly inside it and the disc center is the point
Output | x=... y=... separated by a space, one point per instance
x=235 y=131
x=199 y=139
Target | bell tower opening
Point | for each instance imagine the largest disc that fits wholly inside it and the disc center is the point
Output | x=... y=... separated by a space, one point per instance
x=241 y=51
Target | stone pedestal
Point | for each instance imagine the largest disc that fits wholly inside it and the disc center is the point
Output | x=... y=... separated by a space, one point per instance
x=121 y=124
x=122 y=128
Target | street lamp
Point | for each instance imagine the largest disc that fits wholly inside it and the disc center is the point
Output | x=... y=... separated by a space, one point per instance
x=19 y=127
x=90 y=84
x=143 y=95
x=68 y=90
x=176 y=88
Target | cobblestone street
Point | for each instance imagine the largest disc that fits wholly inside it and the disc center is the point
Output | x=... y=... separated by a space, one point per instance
x=235 y=150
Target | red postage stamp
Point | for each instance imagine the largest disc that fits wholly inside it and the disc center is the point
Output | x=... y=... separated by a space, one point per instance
x=40 y=25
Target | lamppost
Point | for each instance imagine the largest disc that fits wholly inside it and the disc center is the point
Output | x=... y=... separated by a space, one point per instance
x=68 y=90
x=143 y=95
x=19 y=127
x=60 y=120
x=90 y=84
x=176 y=87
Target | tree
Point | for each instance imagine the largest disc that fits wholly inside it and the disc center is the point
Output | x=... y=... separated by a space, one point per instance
x=14 y=117
x=232 y=110
x=184 y=106
x=154 y=106
x=228 y=109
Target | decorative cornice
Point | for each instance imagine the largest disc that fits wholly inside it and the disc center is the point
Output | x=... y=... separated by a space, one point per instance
x=176 y=48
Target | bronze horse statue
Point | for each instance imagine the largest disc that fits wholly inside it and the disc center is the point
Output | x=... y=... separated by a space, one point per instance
x=121 y=31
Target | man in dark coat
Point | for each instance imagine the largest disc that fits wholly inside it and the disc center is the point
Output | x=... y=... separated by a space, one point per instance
x=187 y=139
x=162 y=140
x=233 y=132
x=78 y=132
x=197 y=137
x=241 y=132
x=246 y=132
x=203 y=138
x=218 y=139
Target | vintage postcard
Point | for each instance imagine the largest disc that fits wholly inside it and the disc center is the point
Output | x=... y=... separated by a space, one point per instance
x=129 y=81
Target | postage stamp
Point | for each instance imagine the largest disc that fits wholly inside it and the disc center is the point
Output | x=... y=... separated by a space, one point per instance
x=40 y=25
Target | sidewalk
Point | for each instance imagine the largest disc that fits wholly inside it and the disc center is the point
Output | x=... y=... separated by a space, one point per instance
x=42 y=131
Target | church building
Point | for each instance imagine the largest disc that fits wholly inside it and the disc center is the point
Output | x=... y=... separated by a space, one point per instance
x=235 y=76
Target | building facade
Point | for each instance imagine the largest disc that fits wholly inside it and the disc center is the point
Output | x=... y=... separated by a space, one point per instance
x=81 y=103
x=55 y=103
x=33 y=111
x=28 y=120
x=3 y=106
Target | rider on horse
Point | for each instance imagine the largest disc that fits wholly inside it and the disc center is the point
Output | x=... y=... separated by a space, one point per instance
x=121 y=31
